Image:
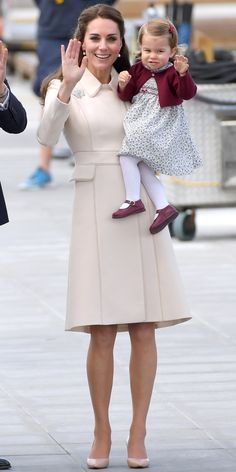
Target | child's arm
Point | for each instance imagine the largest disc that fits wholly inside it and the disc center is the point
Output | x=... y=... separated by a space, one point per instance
x=123 y=79
x=184 y=85
x=126 y=86
x=181 y=65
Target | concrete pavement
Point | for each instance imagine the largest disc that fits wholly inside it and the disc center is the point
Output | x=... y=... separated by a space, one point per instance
x=45 y=413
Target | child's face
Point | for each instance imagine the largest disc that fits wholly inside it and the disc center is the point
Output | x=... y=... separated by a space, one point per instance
x=155 y=51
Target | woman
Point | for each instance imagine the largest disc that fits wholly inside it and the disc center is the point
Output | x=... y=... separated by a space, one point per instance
x=120 y=278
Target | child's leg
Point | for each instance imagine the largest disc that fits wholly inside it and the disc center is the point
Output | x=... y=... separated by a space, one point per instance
x=153 y=186
x=165 y=213
x=131 y=176
x=132 y=181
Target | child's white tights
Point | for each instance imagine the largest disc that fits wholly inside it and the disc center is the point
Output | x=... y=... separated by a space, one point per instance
x=136 y=171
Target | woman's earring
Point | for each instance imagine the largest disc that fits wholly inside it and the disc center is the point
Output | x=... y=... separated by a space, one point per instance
x=84 y=53
x=118 y=55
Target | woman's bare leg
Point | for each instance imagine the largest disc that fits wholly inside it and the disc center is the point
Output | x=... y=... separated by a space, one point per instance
x=100 y=378
x=143 y=365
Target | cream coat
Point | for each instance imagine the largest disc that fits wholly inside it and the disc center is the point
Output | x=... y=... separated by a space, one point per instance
x=118 y=272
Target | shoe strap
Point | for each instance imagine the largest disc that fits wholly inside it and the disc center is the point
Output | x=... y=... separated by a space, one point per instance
x=130 y=202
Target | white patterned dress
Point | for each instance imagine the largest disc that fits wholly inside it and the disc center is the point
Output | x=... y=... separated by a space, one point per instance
x=159 y=136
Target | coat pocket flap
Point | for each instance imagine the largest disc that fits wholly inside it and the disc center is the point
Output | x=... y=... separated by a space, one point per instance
x=83 y=172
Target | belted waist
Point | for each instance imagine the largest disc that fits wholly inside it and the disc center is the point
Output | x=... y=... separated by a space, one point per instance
x=86 y=163
x=96 y=157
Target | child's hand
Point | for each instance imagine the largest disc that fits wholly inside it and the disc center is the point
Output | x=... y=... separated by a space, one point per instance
x=123 y=79
x=181 y=64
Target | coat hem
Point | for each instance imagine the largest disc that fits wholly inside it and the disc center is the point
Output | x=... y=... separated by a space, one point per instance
x=122 y=327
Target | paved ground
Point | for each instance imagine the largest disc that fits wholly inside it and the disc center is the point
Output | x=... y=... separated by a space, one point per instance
x=45 y=413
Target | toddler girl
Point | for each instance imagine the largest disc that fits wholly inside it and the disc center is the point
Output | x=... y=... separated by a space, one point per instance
x=157 y=137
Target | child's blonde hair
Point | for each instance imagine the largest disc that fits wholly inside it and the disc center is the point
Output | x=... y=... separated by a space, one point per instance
x=159 y=27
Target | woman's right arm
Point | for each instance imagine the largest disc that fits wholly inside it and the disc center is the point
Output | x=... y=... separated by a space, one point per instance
x=56 y=109
x=54 y=116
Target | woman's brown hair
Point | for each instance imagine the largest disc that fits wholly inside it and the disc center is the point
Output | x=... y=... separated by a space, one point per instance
x=89 y=14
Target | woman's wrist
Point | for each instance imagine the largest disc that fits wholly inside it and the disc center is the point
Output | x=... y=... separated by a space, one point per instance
x=65 y=91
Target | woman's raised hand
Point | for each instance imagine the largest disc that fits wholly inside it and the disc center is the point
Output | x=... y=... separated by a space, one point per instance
x=71 y=70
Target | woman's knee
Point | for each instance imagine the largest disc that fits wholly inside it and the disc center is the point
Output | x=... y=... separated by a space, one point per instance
x=142 y=333
x=103 y=336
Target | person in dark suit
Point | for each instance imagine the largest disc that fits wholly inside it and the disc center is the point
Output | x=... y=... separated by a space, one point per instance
x=12 y=119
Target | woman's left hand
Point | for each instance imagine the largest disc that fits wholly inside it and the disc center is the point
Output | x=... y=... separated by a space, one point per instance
x=181 y=64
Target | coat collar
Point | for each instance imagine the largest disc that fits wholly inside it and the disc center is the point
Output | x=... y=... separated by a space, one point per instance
x=91 y=85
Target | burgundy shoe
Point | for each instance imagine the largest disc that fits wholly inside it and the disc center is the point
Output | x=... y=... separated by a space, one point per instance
x=133 y=207
x=163 y=218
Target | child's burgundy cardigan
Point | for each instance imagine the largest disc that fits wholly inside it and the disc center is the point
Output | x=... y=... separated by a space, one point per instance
x=172 y=88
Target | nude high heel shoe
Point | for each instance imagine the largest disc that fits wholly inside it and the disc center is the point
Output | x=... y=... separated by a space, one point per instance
x=135 y=462
x=97 y=463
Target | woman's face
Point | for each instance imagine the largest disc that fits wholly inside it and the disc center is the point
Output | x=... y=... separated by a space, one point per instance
x=102 y=44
